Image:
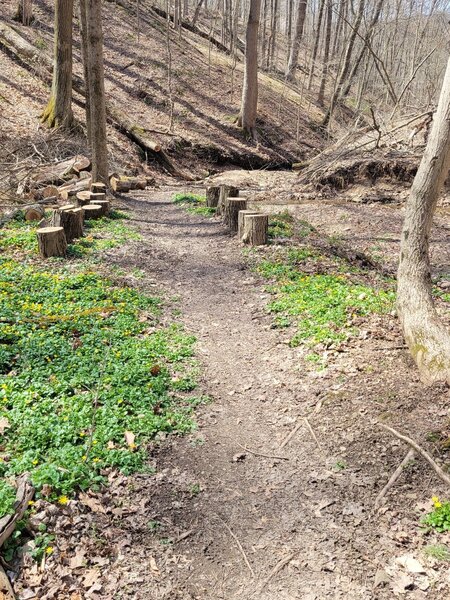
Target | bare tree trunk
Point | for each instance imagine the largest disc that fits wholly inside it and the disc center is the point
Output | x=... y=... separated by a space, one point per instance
x=326 y=54
x=85 y=57
x=197 y=12
x=295 y=47
x=25 y=12
x=247 y=117
x=425 y=334
x=97 y=91
x=58 y=112
x=316 y=43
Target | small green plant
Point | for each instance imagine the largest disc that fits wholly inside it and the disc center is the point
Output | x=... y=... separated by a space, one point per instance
x=154 y=525
x=195 y=489
x=339 y=465
x=7 y=498
x=439 y=518
x=40 y=43
x=438 y=552
x=194 y=204
x=281 y=226
x=42 y=546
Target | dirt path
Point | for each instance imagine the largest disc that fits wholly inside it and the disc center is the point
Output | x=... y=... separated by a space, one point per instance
x=272 y=506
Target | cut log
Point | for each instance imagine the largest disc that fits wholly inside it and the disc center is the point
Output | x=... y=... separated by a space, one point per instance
x=81 y=163
x=92 y=211
x=34 y=213
x=225 y=191
x=256 y=229
x=105 y=206
x=98 y=187
x=52 y=241
x=67 y=207
x=96 y=196
x=50 y=191
x=125 y=184
x=84 y=198
x=241 y=217
x=85 y=175
x=232 y=208
x=212 y=196
x=72 y=189
x=119 y=185
x=70 y=220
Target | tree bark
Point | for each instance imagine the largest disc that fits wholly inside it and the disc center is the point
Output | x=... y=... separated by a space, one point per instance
x=326 y=54
x=256 y=229
x=212 y=196
x=85 y=59
x=425 y=334
x=295 y=47
x=97 y=91
x=249 y=106
x=232 y=208
x=51 y=241
x=58 y=112
x=225 y=191
x=241 y=218
x=71 y=221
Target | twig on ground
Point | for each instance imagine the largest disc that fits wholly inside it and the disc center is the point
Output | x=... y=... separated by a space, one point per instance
x=261 y=454
x=311 y=430
x=419 y=450
x=290 y=435
x=277 y=568
x=239 y=545
x=395 y=475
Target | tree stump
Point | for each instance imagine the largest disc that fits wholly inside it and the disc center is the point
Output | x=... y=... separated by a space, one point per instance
x=225 y=192
x=212 y=196
x=34 y=213
x=92 y=211
x=51 y=241
x=70 y=220
x=241 y=216
x=67 y=207
x=119 y=185
x=83 y=198
x=256 y=229
x=232 y=208
x=98 y=187
x=105 y=205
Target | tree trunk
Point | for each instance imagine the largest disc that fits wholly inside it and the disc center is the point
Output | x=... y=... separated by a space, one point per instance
x=92 y=211
x=425 y=334
x=70 y=220
x=247 y=117
x=58 y=112
x=85 y=58
x=326 y=54
x=97 y=91
x=225 y=191
x=25 y=12
x=212 y=196
x=295 y=47
x=241 y=218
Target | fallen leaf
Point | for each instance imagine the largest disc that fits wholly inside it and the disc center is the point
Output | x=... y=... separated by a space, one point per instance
x=129 y=438
x=154 y=566
x=78 y=560
x=4 y=424
x=411 y=564
x=92 y=503
x=91 y=577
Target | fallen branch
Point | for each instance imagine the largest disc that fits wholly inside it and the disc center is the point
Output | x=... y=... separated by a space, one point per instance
x=261 y=454
x=395 y=475
x=239 y=545
x=289 y=437
x=419 y=450
x=25 y=492
x=311 y=430
x=277 y=568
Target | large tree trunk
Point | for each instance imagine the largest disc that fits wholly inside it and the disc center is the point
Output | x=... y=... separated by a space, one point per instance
x=425 y=334
x=295 y=48
x=97 y=91
x=58 y=112
x=247 y=117
x=85 y=58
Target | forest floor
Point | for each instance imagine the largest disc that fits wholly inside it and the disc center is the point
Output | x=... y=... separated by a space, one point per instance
x=231 y=512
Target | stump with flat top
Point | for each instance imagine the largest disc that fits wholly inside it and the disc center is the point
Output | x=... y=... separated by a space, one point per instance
x=225 y=192
x=51 y=241
x=98 y=187
x=84 y=198
x=95 y=196
x=105 y=205
x=34 y=213
x=241 y=216
x=70 y=220
x=256 y=229
x=232 y=208
x=212 y=196
x=92 y=211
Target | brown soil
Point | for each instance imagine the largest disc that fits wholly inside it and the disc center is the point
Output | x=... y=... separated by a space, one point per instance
x=234 y=521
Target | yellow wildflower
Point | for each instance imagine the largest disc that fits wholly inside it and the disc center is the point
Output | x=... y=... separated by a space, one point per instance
x=63 y=500
x=436 y=502
x=49 y=550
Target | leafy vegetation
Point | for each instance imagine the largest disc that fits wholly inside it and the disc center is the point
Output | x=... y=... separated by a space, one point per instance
x=438 y=552
x=323 y=306
x=281 y=226
x=194 y=204
x=439 y=518
x=87 y=375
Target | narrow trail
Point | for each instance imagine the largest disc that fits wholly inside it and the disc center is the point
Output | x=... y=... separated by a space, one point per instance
x=269 y=507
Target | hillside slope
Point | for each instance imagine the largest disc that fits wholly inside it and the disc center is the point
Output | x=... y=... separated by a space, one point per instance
x=203 y=92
